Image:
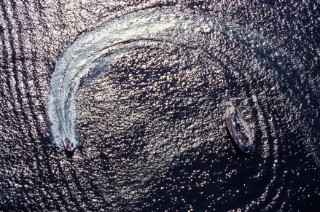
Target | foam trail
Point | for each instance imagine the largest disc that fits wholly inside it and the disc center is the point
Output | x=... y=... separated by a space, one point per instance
x=92 y=52
x=83 y=56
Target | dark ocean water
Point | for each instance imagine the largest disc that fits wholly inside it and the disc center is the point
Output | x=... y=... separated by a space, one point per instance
x=150 y=107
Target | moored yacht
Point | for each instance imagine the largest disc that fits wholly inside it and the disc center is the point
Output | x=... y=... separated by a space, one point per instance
x=238 y=128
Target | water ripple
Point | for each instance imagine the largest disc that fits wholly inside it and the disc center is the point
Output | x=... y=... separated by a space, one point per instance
x=206 y=61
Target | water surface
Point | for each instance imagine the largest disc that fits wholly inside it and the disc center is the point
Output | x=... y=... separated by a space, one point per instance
x=143 y=89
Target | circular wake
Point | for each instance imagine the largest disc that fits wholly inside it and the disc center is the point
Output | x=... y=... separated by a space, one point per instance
x=207 y=61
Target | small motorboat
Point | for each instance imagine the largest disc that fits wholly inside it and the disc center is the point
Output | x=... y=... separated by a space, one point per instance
x=68 y=145
x=238 y=128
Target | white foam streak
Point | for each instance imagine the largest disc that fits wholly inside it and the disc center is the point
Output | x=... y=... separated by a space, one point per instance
x=83 y=55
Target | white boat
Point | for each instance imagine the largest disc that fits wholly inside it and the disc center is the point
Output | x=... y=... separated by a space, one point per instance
x=238 y=128
x=68 y=145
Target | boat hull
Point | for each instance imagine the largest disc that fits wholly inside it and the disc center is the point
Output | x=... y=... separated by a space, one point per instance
x=238 y=129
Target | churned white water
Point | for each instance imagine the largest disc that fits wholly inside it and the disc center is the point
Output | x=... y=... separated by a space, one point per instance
x=90 y=54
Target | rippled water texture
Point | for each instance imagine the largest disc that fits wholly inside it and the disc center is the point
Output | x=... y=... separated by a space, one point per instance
x=139 y=88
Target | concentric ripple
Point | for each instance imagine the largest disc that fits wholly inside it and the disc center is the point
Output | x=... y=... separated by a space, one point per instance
x=207 y=61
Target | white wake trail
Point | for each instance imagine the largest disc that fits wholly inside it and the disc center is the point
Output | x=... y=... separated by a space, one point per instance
x=94 y=48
